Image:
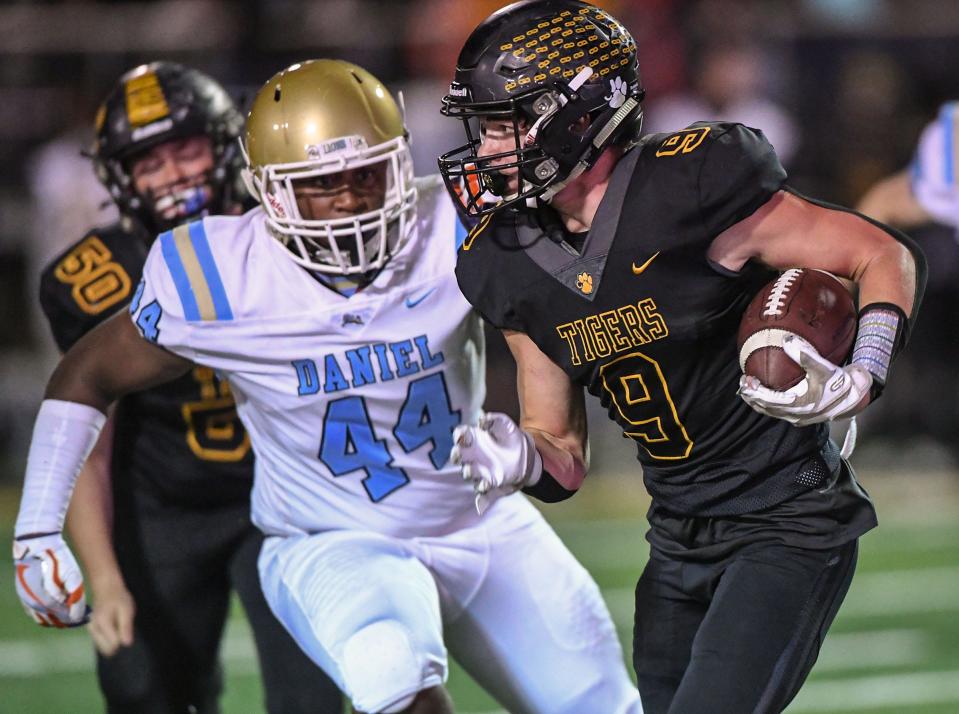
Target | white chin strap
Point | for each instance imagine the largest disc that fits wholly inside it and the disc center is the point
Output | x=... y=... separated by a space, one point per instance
x=548 y=194
x=578 y=81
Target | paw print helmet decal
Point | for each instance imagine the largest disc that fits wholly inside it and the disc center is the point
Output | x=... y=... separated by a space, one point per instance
x=617 y=95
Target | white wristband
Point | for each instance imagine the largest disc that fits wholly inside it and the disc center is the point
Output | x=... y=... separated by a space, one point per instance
x=876 y=340
x=534 y=462
x=64 y=434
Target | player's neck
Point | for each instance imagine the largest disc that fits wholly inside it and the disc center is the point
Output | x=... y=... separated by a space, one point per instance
x=347 y=286
x=578 y=202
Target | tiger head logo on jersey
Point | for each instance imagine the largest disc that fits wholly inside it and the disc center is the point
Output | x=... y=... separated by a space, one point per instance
x=328 y=158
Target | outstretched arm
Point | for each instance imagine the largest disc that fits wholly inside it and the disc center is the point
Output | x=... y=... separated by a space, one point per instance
x=105 y=364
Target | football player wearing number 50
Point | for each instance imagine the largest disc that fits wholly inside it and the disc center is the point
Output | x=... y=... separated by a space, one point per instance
x=621 y=264
x=333 y=310
x=160 y=517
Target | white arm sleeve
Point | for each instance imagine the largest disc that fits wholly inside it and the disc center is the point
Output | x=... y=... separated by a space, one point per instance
x=64 y=434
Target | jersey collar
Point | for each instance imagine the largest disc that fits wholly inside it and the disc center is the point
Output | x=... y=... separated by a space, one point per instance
x=582 y=273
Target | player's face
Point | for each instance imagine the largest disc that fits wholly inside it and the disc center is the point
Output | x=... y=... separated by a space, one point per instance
x=174 y=176
x=498 y=136
x=341 y=194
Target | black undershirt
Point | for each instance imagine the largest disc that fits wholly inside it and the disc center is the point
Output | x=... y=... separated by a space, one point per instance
x=577 y=240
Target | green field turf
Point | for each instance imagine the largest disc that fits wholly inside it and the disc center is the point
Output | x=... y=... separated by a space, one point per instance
x=893 y=649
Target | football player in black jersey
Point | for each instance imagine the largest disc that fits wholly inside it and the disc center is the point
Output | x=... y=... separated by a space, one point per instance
x=175 y=477
x=622 y=264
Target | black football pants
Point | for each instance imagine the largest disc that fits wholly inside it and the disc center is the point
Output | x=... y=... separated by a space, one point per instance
x=181 y=565
x=738 y=636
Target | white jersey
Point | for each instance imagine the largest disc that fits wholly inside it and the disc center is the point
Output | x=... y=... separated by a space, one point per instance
x=350 y=402
x=935 y=167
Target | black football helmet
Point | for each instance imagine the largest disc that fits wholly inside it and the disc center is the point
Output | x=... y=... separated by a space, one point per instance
x=565 y=73
x=157 y=102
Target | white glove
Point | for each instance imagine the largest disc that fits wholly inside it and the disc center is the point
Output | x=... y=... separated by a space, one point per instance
x=497 y=457
x=49 y=582
x=827 y=391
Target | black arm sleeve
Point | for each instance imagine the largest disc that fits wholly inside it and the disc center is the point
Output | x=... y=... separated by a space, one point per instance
x=548 y=489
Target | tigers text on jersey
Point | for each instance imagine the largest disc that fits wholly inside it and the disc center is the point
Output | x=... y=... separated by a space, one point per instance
x=645 y=322
x=350 y=402
x=935 y=167
x=180 y=442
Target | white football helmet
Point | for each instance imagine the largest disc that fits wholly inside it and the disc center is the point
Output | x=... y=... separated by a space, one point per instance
x=322 y=117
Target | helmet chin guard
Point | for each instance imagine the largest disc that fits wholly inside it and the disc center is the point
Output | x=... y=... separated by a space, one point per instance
x=342 y=246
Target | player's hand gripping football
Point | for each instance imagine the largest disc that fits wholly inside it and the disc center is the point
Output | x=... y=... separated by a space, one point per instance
x=496 y=456
x=827 y=391
x=49 y=582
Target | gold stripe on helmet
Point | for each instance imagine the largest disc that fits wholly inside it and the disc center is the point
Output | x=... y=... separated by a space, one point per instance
x=145 y=100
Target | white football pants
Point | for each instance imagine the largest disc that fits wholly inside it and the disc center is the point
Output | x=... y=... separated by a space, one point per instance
x=520 y=614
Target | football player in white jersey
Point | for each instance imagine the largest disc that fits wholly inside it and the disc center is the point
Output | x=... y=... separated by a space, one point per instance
x=335 y=314
x=928 y=190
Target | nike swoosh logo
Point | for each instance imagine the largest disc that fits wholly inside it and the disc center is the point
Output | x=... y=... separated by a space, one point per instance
x=641 y=268
x=421 y=298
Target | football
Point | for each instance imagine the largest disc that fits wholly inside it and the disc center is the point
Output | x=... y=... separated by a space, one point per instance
x=812 y=304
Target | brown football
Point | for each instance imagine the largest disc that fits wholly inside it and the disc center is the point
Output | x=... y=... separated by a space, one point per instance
x=810 y=303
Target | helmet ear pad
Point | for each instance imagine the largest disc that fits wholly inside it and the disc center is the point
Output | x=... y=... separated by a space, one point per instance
x=568 y=139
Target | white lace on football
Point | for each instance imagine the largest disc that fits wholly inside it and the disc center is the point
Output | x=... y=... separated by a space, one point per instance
x=777 y=296
x=344 y=246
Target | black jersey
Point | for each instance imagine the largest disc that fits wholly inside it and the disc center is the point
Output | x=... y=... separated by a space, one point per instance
x=647 y=323
x=181 y=441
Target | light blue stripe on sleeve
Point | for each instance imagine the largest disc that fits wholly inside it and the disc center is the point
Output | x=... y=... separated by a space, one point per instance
x=948 y=126
x=180 y=278
x=461 y=232
x=212 y=275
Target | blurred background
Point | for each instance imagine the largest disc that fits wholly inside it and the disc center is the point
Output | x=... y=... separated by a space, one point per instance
x=841 y=87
